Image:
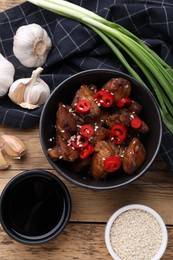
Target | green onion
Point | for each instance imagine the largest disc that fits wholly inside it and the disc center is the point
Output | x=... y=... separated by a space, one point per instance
x=157 y=72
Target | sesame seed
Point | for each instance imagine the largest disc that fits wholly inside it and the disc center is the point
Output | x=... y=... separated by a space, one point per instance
x=136 y=234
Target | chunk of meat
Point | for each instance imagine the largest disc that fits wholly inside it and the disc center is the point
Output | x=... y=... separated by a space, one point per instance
x=135 y=107
x=100 y=133
x=63 y=151
x=65 y=122
x=122 y=117
x=81 y=165
x=134 y=156
x=102 y=151
x=86 y=93
x=120 y=87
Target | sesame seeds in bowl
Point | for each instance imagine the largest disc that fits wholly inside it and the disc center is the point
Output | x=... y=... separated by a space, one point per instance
x=136 y=232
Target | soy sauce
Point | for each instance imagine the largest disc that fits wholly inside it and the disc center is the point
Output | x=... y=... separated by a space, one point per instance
x=35 y=207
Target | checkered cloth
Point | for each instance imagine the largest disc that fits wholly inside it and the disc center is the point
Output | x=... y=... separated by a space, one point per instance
x=77 y=48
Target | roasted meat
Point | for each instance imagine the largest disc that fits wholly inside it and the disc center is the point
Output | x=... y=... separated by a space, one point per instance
x=100 y=133
x=124 y=117
x=135 y=107
x=120 y=87
x=102 y=151
x=65 y=122
x=63 y=151
x=134 y=156
x=121 y=116
x=86 y=93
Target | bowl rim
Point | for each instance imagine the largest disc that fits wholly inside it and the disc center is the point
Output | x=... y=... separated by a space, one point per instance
x=57 y=230
x=133 y=178
x=118 y=212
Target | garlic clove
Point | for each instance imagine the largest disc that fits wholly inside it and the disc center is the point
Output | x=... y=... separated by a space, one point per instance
x=13 y=146
x=31 y=45
x=3 y=163
x=18 y=93
x=31 y=92
x=7 y=71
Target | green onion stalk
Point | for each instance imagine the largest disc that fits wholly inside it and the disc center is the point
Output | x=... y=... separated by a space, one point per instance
x=158 y=73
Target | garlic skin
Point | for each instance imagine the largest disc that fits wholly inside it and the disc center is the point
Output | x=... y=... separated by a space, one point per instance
x=31 y=92
x=7 y=71
x=13 y=146
x=31 y=45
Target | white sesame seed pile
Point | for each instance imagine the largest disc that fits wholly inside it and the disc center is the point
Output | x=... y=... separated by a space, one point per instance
x=135 y=235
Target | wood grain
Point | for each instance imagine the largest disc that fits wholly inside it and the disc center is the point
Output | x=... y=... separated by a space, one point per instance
x=83 y=237
x=6 y=4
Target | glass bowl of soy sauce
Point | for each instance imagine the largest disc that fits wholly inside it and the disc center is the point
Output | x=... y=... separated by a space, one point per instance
x=35 y=207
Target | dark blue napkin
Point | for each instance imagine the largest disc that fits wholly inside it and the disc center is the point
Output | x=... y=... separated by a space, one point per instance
x=77 y=48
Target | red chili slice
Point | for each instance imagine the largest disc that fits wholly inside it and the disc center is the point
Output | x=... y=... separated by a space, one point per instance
x=83 y=106
x=87 y=130
x=112 y=163
x=86 y=151
x=123 y=102
x=136 y=123
x=104 y=98
x=79 y=141
x=118 y=133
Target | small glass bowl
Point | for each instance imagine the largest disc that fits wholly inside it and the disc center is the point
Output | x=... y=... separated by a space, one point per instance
x=117 y=213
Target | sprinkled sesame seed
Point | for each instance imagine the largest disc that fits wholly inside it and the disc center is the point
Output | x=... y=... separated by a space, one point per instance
x=131 y=116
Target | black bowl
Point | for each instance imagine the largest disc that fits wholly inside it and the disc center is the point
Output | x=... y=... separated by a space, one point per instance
x=65 y=92
x=35 y=207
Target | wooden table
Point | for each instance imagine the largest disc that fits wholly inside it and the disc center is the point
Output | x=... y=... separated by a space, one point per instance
x=83 y=238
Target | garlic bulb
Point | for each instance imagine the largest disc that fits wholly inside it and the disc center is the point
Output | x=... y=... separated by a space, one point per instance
x=31 y=45
x=29 y=92
x=6 y=75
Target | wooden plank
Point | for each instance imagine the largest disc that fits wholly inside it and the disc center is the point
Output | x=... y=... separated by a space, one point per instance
x=6 y=4
x=83 y=238
x=77 y=241
x=154 y=189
